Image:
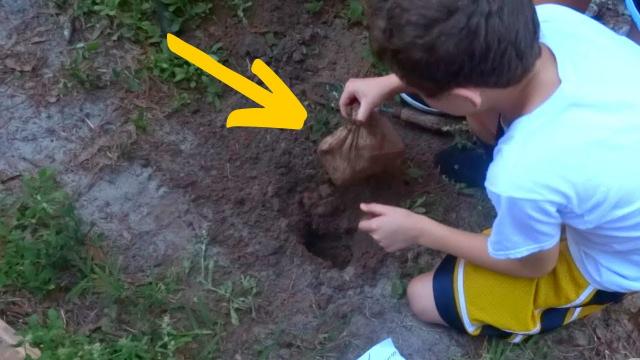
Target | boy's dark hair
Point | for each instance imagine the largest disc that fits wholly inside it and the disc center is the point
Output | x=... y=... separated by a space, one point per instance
x=438 y=45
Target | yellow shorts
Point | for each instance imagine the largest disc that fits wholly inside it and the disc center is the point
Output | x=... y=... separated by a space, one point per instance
x=482 y=302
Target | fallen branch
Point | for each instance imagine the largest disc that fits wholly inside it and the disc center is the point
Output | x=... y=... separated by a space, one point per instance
x=434 y=123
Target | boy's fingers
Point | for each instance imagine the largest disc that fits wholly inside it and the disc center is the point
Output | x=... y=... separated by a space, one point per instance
x=367 y=226
x=375 y=209
x=363 y=113
x=346 y=100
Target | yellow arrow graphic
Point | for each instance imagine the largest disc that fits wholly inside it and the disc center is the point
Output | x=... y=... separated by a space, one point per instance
x=280 y=109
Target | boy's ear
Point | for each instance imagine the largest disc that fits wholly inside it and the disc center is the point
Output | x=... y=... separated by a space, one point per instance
x=470 y=95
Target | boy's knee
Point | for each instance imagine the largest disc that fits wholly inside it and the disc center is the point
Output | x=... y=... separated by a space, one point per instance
x=421 y=299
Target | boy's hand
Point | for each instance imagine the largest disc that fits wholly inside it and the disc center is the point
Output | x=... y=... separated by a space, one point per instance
x=391 y=227
x=367 y=94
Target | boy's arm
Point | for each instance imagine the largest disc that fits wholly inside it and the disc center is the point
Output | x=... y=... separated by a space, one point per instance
x=396 y=228
x=474 y=248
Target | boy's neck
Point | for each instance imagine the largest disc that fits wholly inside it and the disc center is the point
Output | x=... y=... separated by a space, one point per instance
x=531 y=92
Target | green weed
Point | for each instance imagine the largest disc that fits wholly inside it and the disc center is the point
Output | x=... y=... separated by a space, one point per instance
x=431 y=205
x=376 y=66
x=181 y=100
x=398 y=288
x=143 y=21
x=131 y=79
x=81 y=69
x=41 y=244
x=414 y=172
x=177 y=12
x=353 y=12
x=322 y=123
x=240 y=7
x=102 y=279
x=313 y=7
x=40 y=237
x=140 y=121
x=239 y=296
x=416 y=205
x=57 y=343
x=172 y=69
x=462 y=188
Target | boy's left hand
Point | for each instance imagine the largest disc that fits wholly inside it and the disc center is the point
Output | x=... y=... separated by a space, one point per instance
x=391 y=227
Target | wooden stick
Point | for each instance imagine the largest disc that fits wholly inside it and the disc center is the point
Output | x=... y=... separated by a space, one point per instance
x=435 y=123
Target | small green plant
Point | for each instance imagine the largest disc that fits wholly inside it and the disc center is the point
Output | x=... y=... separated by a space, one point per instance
x=177 y=12
x=171 y=340
x=40 y=237
x=377 y=66
x=398 y=288
x=132 y=80
x=462 y=188
x=102 y=279
x=170 y=68
x=313 y=7
x=417 y=205
x=323 y=123
x=140 y=121
x=496 y=349
x=414 y=172
x=240 y=7
x=57 y=343
x=432 y=205
x=81 y=69
x=179 y=101
x=238 y=297
x=354 y=12
x=143 y=21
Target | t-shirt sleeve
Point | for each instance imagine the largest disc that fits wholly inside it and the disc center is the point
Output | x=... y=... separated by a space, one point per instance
x=523 y=227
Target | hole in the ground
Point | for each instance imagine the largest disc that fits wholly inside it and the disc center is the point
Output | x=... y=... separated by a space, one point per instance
x=331 y=247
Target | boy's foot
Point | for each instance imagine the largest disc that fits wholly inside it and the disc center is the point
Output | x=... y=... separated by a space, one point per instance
x=416 y=102
x=466 y=165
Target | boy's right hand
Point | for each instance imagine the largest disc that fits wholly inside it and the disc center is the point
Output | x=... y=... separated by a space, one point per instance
x=367 y=94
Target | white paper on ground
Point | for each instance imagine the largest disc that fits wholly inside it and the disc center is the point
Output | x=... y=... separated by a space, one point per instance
x=383 y=351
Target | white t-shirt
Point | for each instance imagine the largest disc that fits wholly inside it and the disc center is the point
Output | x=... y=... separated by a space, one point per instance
x=575 y=160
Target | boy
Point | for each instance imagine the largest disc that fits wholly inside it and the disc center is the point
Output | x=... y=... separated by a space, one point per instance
x=565 y=90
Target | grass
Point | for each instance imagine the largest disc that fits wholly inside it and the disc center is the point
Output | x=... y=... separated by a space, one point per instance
x=47 y=251
x=431 y=205
x=533 y=349
x=81 y=68
x=314 y=7
x=417 y=205
x=375 y=64
x=139 y=120
x=240 y=8
x=174 y=70
x=143 y=21
x=323 y=122
x=414 y=173
x=353 y=12
x=40 y=237
x=238 y=296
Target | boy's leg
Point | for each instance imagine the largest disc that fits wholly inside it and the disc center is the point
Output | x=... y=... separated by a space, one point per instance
x=481 y=302
x=421 y=299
